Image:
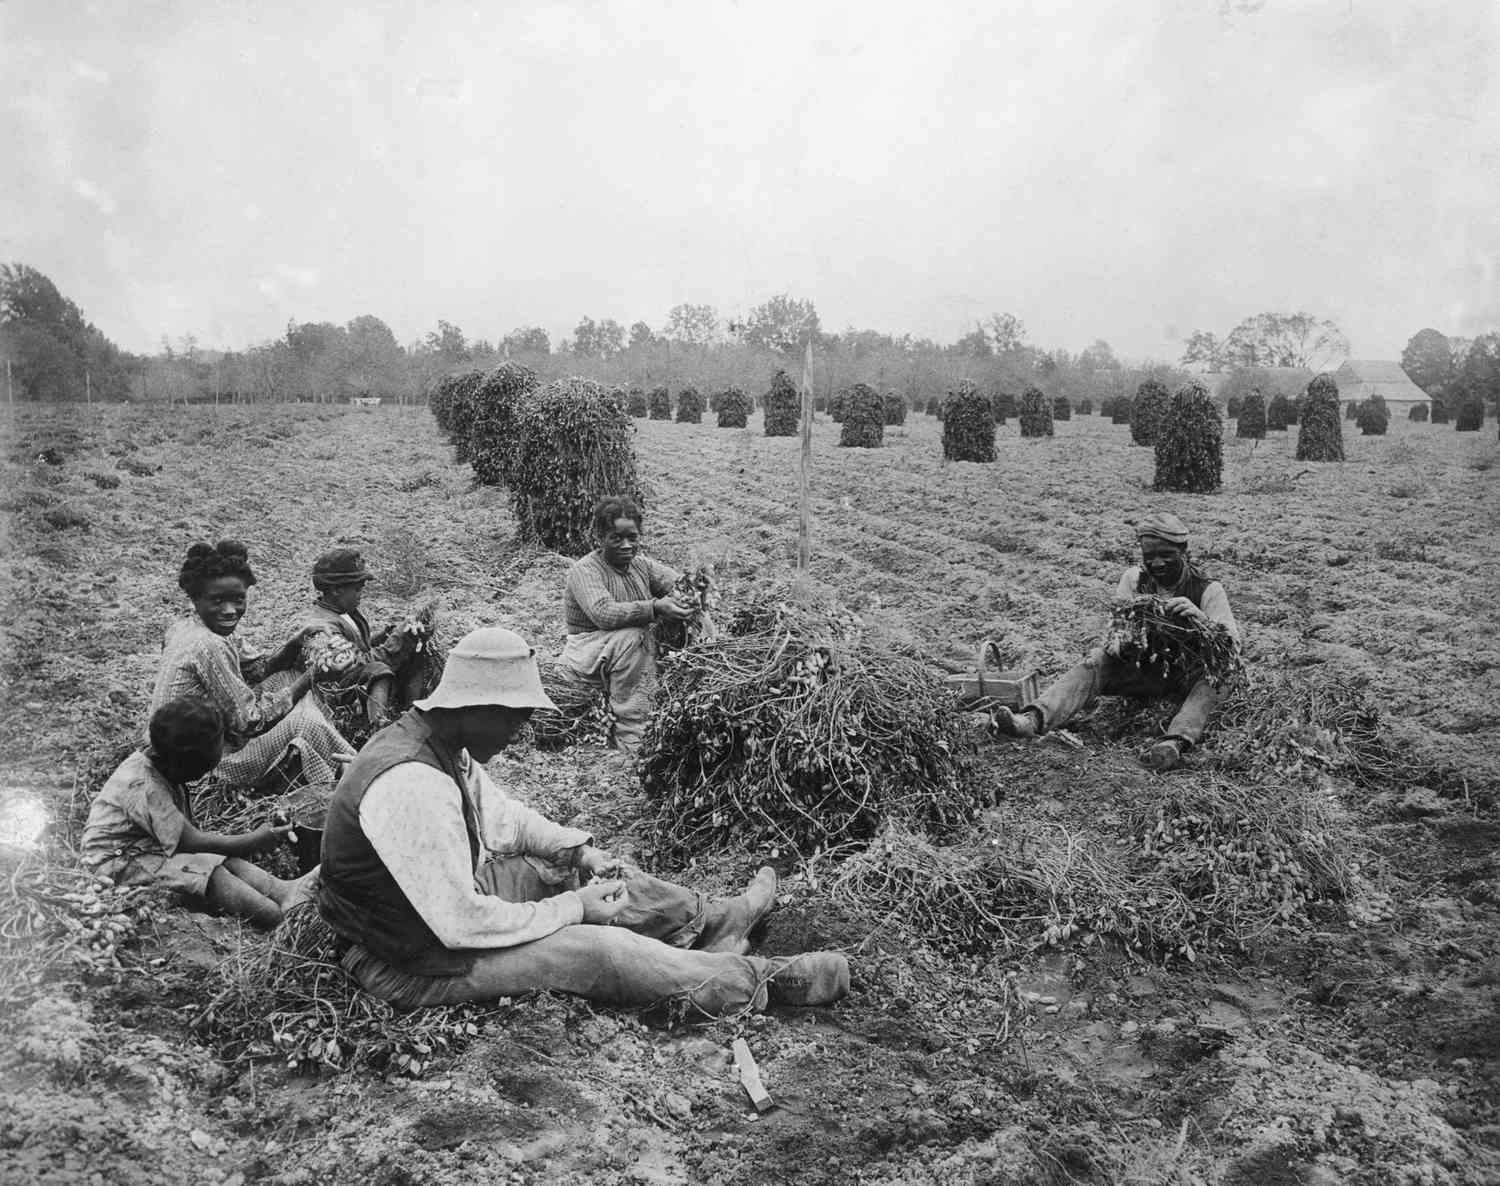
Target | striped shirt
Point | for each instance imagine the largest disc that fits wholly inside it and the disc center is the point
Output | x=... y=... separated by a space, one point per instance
x=597 y=596
x=199 y=663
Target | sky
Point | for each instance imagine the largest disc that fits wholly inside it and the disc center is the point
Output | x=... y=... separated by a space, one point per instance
x=1130 y=172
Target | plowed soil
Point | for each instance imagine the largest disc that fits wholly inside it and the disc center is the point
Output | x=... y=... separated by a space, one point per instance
x=1359 y=1049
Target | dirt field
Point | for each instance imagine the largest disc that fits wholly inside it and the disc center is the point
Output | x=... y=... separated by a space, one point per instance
x=1360 y=1047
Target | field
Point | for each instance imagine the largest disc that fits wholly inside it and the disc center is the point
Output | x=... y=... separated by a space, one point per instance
x=1359 y=1045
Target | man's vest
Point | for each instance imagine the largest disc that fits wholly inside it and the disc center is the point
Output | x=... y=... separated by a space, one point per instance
x=1193 y=585
x=357 y=894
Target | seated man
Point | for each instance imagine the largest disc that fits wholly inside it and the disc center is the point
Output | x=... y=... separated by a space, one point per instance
x=452 y=891
x=610 y=599
x=1165 y=571
x=383 y=671
x=140 y=829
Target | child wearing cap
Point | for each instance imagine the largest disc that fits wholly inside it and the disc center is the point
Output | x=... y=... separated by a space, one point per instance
x=376 y=675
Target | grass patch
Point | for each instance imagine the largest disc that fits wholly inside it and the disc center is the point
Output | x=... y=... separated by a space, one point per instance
x=408 y=562
x=65 y=518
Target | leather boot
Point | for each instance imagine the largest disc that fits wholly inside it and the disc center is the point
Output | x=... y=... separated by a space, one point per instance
x=731 y=920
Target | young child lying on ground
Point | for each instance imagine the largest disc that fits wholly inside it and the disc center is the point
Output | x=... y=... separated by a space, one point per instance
x=140 y=829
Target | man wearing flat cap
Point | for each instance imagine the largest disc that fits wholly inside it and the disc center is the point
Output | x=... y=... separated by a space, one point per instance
x=379 y=672
x=1165 y=571
x=449 y=890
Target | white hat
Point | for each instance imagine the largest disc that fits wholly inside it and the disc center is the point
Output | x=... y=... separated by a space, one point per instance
x=491 y=665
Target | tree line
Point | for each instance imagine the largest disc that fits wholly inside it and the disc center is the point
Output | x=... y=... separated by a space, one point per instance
x=56 y=355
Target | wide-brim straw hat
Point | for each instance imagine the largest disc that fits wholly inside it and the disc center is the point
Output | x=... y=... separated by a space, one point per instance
x=492 y=666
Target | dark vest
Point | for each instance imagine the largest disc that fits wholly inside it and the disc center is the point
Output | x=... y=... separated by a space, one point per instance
x=1193 y=585
x=357 y=894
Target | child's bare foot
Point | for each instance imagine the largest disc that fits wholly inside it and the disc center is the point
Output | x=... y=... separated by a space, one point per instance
x=299 y=892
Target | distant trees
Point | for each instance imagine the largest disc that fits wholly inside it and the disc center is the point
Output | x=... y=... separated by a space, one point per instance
x=598 y=339
x=1203 y=350
x=1007 y=333
x=784 y=323
x=693 y=346
x=1427 y=360
x=55 y=353
x=528 y=340
x=1460 y=375
x=692 y=325
x=1268 y=339
x=1480 y=370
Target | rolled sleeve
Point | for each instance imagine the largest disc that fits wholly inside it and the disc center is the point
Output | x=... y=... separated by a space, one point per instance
x=1216 y=606
x=413 y=817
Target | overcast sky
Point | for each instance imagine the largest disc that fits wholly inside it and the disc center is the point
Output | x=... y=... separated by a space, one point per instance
x=1125 y=171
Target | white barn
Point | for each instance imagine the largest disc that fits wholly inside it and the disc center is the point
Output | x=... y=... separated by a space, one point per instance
x=1360 y=378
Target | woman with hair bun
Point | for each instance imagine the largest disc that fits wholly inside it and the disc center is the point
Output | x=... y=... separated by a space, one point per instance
x=262 y=701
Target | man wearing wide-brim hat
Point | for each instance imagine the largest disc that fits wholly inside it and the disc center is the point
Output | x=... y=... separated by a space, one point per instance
x=450 y=890
x=384 y=671
x=1167 y=571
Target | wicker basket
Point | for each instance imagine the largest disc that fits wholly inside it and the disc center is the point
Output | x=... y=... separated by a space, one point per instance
x=985 y=686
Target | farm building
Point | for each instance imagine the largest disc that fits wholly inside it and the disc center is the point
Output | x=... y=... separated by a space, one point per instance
x=1360 y=378
x=1222 y=386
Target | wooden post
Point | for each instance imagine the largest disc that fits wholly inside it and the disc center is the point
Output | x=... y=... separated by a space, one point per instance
x=804 y=496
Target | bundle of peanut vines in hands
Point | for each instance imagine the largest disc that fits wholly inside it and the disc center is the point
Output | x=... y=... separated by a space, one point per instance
x=1178 y=648
x=794 y=733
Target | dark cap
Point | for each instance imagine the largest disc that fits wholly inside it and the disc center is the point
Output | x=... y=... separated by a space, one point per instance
x=342 y=566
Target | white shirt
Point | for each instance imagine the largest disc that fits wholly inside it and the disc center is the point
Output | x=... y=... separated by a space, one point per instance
x=413 y=817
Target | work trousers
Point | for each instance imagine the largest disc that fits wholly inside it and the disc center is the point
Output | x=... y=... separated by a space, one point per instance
x=651 y=954
x=624 y=662
x=307 y=730
x=1102 y=674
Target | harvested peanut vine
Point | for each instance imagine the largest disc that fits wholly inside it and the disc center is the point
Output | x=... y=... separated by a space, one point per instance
x=1211 y=866
x=287 y=997
x=697 y=591
x=60 y=921
x=1184 y=650
x=581 y=715
x=1000 y=888
x=1279 y=727
x=794 y=733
